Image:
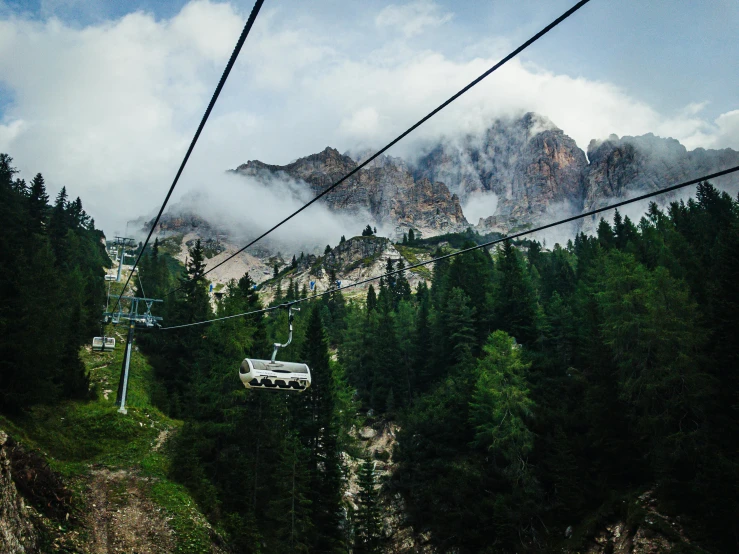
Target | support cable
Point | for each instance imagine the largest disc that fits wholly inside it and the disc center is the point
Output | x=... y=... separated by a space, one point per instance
x=477 y=247
x=216 y=94
x=405 y=133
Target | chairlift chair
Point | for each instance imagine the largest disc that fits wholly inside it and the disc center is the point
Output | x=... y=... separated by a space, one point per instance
x=103 y=344
x=273 y=374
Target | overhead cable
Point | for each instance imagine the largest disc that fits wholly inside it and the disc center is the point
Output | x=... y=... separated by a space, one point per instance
x=405 y=133
x=476 y=247
x=216 y=94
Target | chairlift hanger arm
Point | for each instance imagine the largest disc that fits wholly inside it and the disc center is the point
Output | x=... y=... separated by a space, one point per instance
x=290 y=317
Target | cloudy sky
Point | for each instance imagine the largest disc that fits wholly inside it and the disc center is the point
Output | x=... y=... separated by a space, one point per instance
x=104 y=97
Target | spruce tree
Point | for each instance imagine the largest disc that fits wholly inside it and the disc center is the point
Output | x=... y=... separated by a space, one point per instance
x=367 y=527
x=500 y=407
x=515 y=304
x=402 y=289
x=371 y=299
x=38 y=206
x=289 y=507
x=316 y=422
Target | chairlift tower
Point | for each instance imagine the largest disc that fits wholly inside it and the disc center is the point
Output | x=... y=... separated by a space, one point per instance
x=121 y=244
x=134 y=319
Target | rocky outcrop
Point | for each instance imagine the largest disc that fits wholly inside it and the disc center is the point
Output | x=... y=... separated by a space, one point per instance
x=352 y=261
x=378 y=441
x=386 y=190
x=17 y=533
x=354 y=252
x=649 y=531
x=530 y=165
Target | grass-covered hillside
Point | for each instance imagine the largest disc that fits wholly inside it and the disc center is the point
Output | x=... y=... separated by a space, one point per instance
x=114 y=467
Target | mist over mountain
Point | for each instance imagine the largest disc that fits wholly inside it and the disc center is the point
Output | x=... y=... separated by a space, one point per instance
x=519 y=173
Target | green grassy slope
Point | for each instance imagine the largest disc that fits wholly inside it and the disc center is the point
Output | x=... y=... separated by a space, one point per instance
x=78 y=437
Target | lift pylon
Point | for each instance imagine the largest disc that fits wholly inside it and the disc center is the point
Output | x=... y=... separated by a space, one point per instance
x=122 y=243
x=135 y=320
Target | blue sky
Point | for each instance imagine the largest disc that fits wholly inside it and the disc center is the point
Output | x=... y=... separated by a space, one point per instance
x=669 y=51
x=103 y=99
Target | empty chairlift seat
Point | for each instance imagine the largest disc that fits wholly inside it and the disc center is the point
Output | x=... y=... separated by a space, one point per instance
x=106 y=345
x=265 y=374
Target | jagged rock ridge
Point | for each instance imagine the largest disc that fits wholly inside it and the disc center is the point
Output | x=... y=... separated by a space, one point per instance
x=527 y=163
x=386 y=190
x=535 y=170
x=537 y=173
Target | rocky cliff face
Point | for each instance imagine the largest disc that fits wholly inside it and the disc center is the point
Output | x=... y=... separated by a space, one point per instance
x=386 y=190
x=625 y=167
x=529 y=164
x=539 y=174
x=533 y=172
x=17 y=532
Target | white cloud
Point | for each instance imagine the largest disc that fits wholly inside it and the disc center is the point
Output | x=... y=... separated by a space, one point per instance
x=109 y=109
x=364 y=121
x=479 y=205
x=723 y=133
x=412 y=18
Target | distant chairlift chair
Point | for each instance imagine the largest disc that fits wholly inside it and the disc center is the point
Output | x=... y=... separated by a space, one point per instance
x=103 y=344
x=275 y=375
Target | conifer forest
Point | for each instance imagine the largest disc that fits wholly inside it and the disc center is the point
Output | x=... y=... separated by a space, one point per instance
x=533 y=388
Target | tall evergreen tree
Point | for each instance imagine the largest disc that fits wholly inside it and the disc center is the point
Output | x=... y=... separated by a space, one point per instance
x=371 y=299
x=367 y=520
x=316 y=422
x=515 y=304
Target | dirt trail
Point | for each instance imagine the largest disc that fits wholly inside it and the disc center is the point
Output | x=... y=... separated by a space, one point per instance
x=122 y=518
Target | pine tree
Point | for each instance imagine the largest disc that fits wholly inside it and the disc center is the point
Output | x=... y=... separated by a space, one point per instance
x=289 y=506
x=500 y=405
x=605 y=235
x=402 y=289
x=317 y=430
x=459 y=319
x=411 y=237
x=390 y=280
x=515 y=303
x=423 y=342
x=38 y=204
x=371 y=299
x=194 y=283
x=58 y=227
x=367 y=519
